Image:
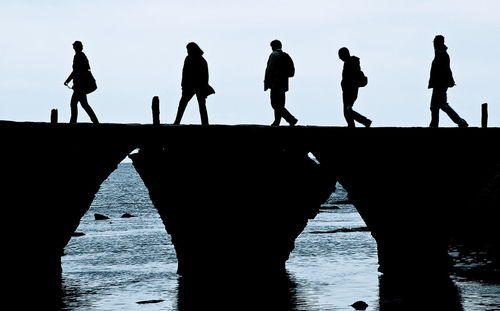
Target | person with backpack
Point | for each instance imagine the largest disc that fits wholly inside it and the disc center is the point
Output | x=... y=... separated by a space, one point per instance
x=352 y=79
x=83 y=84
x=441 y=78
x=279 y=69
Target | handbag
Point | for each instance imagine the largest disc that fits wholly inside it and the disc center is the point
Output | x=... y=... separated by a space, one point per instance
x=208 y=90
x=90 y=84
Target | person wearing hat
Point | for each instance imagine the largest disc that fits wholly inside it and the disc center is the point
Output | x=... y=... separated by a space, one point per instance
x=80 y=76
x=441 y=78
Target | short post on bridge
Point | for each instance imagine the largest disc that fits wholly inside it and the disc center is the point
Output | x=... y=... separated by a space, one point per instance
x=484 y=115
x=155 y=107
x=53 y=116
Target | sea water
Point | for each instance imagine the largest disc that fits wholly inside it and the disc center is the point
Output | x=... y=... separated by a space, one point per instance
x=130 y=263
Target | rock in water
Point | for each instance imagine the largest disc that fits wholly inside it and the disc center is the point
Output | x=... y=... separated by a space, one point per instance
x=359 y=305
x=100 y=217
x=127 y=215
x=143 y=302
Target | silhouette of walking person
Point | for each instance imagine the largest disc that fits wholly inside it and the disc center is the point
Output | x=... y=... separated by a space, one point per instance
x=352 y=79
x=82 y=84
x=194 y=82
x=441 y=78
x=279 y=68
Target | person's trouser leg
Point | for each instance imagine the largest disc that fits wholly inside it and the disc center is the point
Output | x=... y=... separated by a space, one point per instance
x=278 y=99
x=278 y=103
x=359 y=118
x=285 y=114
x=87 y=108
x=74 y=107
x=202 y=103
x=349 y=97
x=453 y=115
x=437 y=100
x=185 y=98
x=434 y=117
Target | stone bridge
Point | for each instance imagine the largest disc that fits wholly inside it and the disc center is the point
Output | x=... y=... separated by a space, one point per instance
x=234 y=198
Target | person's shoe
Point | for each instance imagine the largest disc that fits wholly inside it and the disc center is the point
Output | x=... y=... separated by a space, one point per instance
x=463 y=124
x=368 y=123
x=294 y=121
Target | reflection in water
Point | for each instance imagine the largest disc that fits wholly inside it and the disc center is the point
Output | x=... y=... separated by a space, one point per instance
x=271 y=293
x=232 y=293
x=54 y=294
x=280 y=293
x=418 y=293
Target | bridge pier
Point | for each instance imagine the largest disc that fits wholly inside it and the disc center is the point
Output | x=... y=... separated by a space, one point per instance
x=50 y=175
x=233 y=204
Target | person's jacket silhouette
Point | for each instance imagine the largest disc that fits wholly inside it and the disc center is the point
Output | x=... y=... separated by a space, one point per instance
x=279 y=69
x=79 y=74
x=441 y=75
x=195 y=73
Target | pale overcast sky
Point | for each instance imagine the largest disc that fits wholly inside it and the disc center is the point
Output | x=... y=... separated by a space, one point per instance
x=136 y=50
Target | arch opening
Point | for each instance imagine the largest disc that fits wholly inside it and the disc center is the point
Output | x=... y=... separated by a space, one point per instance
x=111 y=257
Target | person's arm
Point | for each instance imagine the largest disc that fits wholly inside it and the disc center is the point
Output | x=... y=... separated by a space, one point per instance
x=71 y=75
x=185 y=73
x=68 y=80
x=449 y=74
x=291 y=69
x=269 y=72
x=204 y=72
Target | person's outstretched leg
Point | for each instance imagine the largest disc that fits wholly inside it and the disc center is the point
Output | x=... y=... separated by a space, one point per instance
x=88 y=109
x=454 y=116
x=285 y=114
x=185 y=98
x=360 y=118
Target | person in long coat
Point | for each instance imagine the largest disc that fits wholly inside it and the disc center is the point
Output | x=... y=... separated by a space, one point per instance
x=441 y=78
x=194 y=82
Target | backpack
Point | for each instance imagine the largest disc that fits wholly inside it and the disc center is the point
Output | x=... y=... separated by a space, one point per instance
x=359 y=77
x=362 y=79
x=288 y=66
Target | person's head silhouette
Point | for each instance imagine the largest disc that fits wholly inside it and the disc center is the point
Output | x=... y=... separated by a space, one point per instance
x=193 y=49
x=344 y=54
x=78 y=46
x=275 y=45
x=438 y=41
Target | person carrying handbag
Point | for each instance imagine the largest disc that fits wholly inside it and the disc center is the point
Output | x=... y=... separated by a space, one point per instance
x=83 y=84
